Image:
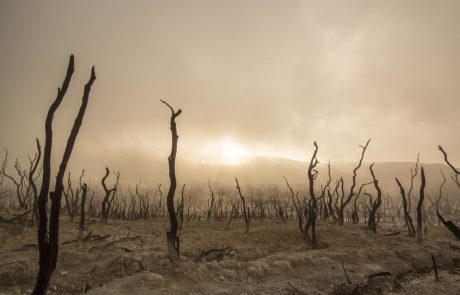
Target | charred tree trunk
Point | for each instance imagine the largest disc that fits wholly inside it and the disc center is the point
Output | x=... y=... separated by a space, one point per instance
x=413 y=174
x=34 y=186
x=211 y=201
x=48 y=240
x=297 y=206
x=354 y=214
x=109 y=195
x=450 y=226
x=456 y=172
x=172 y=238
x=371 y=222
x=420 y=206
x=246 y=215
x=407 y=218
x=343 y=204
x=311 y=212
x=82 y=206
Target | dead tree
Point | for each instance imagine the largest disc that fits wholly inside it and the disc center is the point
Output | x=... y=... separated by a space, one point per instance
x=407 y=217
x=354 y=214
x=440 y=194
x=375 y=205
x=69 y=197
x=420 y=206
x=312 y=209
x=456 y=172
x=450 y=226
x=297 y=205
x=84 y=189
x=343 y=204
x=455 y=177
x=211 y=201
x=246 y=215
x=172 y=238
x=48 y=239
x=109 y=195
x=413 y=174
x=180 y=208
x=18 y=183
x=34 y=165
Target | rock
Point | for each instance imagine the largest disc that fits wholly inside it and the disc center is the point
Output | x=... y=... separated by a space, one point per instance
x=87 y=287
x=282 y=265
x=140 y=283
x=125 y=264
x=14 y=273
x=154 y=280
x=256 y=272
x=229 y=274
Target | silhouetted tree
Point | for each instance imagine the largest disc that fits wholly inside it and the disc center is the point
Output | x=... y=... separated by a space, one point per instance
x=48 y=239
x=375 y=205
x=84 y=189
x=407 y=217
x=297 y=205
x=456 y=172
x=18 y=183
x=210 y=201
x=413 y=173
x=343 y=204
x=420 y=206
x=246 y=215
x=455 y=177
x=172 y=238
x=311 y=210
x=354 y=213
x=34 y=165
x=109 y=194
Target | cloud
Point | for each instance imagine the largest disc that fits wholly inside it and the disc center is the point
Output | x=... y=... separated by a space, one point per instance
x=273 y=76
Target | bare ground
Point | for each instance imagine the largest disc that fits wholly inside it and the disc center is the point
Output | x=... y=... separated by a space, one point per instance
x=130 y=258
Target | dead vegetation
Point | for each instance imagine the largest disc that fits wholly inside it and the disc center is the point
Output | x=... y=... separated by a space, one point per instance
x=328 y=216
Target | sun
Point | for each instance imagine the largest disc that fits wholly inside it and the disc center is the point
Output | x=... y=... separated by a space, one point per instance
x=233 y=153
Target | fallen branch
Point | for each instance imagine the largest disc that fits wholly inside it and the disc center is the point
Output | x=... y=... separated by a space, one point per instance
x=392 y=234
x=450 y=226
x=16 y=219
x=379 y=274
x=88 y=237
x=114 y=242
x=346 y=274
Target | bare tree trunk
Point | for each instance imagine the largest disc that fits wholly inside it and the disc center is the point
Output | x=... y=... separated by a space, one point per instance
x=82 y=206
x=343 y=204
x=371 y=222
x=172 y=238
x=450 y=226
x=109 y=195
x=311 y=212
x=246 y=215
x=407 y=218
x=413 y=174
x=420 y=206
x=48 y=241
x=32 y=183
x=211 y=201
x=456 y=172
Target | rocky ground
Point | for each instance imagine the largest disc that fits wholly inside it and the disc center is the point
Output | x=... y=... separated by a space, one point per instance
x=130 y=258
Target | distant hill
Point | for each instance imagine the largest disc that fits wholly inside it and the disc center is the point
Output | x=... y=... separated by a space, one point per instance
x=136 y=167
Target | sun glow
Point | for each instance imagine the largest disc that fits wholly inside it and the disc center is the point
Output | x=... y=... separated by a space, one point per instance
x=225 y=151
x=232 y=153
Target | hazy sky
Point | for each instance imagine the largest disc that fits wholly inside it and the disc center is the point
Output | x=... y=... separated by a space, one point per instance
x=252 y=78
